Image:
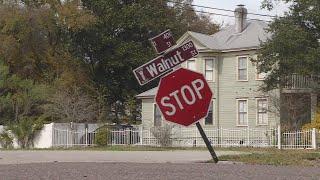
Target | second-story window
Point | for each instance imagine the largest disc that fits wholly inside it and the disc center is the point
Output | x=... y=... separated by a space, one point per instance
x=209 y=66
x=191 y=64
x=242 y=68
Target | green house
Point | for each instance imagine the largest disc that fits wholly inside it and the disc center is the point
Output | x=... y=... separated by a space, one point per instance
x=225 y=60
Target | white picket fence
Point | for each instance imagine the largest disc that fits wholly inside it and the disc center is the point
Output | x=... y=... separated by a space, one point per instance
x=190 y=137
x=69 y=138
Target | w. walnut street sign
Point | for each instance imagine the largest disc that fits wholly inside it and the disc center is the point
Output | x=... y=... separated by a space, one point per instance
x=162 y=64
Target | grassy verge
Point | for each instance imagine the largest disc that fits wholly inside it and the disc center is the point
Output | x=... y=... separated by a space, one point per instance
x=277 y=157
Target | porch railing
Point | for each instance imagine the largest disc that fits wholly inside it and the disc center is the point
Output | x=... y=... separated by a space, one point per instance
x=296 y=81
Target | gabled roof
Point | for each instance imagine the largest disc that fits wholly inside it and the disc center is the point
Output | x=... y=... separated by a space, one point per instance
x=224 y=41
x=227 y=40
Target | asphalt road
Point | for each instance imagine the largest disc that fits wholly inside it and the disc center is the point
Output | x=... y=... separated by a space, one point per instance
x=137 y=165
x=153 y=171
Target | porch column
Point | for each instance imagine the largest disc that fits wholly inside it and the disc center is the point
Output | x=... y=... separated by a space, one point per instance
x=313 y=105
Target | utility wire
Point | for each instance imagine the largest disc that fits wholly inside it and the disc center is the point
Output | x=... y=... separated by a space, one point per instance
x=225 y=15
x=220 y=9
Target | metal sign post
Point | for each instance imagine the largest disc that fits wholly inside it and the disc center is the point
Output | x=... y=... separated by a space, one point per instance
x=208 y=144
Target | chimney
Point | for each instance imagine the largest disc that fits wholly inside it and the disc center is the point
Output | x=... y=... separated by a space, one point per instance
x=240 y=14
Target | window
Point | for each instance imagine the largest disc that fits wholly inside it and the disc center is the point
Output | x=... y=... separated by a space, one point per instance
x=191 y=64
x=209 y=73
x=262 y=111
x=242 y=112
x=156 y=115
x=209 y=118
x=242 y=68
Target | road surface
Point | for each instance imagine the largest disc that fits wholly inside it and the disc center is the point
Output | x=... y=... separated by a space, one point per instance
x=138 y=165
x=153 y=171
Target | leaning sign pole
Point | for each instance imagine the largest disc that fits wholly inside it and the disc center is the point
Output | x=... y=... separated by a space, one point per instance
x=183 y=96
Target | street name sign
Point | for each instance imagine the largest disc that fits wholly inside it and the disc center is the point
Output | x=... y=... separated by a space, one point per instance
x=184 y=97
x=163 y=41
x=162 y=64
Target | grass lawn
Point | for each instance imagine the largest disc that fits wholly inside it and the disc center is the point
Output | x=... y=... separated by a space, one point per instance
x=276 y=157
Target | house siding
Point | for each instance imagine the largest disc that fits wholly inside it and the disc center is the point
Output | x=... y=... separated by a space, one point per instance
x=226 y=89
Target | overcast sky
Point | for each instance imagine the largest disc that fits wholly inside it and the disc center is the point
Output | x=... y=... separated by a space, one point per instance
x=253 y=6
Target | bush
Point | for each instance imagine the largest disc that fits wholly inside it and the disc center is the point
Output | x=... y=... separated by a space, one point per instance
x=163 y=135
x=102 y=136
x=6 y=140
x=315 y=123
x=25 y=130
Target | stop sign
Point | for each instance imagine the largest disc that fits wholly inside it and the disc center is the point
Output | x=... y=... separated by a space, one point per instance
x=184 y=97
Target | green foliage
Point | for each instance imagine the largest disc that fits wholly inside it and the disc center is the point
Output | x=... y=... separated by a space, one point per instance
x=315 y=123
x=6 y=140
x=163 y=135
x=294 y=45
x=19 y=97
x=101 y=138
x=49 y=48
x=25 y=130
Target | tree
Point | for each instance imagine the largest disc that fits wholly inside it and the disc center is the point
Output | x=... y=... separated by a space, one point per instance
x=193 y=21
x=118 y=42
x=19 y=98
x=73 y=105
x=294 y=44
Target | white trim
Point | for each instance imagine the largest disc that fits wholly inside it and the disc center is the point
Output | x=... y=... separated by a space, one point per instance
x=213 y=70
x=237 y=110
x=237 y=68
x=257 y=118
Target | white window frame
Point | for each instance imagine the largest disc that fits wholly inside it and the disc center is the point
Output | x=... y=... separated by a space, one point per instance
x=237 y=68
x=257 y=112
x=153 y=115
x=213 y=68
x=195 y=64
x=213 y=114
x=237 y=107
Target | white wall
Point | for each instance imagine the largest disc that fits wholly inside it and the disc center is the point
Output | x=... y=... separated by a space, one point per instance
x=44 y=138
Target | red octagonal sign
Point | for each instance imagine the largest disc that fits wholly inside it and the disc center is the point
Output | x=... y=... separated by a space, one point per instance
x=184 y=97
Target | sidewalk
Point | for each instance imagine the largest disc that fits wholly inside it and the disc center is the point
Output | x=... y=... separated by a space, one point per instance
x=22 y=157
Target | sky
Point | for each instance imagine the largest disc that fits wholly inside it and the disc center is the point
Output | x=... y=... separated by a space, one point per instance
x=253 y=6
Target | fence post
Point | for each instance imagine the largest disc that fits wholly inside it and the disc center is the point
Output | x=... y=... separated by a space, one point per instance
x=279 y=136
x=141 y=134
x=314 y=139
x=86 y=131
x=67 y=137
x=248 y=136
